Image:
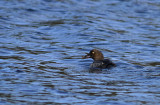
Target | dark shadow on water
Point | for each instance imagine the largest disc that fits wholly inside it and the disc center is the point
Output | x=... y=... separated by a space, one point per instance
x=153 y=63
x=100 y=70
x=19 y=71
x=95 y=70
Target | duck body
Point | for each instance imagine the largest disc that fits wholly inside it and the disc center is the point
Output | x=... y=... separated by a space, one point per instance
x=99 y=61
x=106 y=63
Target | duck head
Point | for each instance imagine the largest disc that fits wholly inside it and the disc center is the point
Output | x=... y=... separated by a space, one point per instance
x=94 y=54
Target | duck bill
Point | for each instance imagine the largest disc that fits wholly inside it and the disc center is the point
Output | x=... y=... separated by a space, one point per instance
x=86 y=56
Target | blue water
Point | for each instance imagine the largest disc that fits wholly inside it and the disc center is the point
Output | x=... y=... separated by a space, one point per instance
x=42 y=43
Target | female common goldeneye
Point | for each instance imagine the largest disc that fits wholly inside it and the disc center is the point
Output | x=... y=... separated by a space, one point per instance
x=99 y=61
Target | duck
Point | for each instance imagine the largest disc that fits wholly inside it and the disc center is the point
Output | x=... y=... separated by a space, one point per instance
x=99 y=61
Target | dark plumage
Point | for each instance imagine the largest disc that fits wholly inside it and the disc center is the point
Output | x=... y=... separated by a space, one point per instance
x=99 y=61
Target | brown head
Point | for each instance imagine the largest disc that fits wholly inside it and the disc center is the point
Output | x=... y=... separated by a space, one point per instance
x=94 y=54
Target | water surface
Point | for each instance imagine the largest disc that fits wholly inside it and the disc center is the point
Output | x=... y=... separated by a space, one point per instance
x=42 y=43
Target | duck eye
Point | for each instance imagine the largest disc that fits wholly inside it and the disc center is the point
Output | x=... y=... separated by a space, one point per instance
x=92 y=52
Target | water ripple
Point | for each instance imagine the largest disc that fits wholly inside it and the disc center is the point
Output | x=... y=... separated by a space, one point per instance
x=42 y=43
